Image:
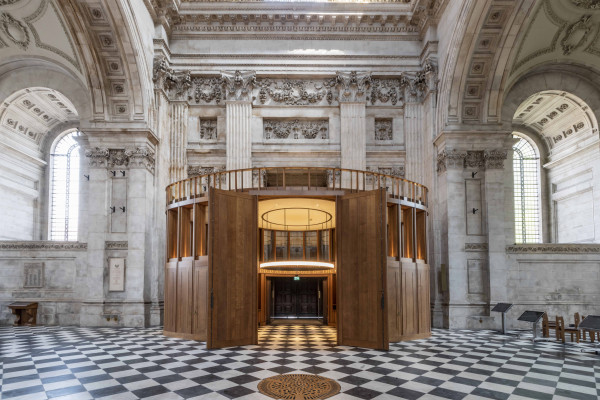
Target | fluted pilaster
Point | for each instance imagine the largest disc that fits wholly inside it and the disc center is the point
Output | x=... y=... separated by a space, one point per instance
x=239 y=139
x=353 y=135
x=178 y=140
x=413 y=136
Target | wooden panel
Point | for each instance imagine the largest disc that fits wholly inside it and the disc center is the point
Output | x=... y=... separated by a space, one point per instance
x=184 y=295
x=423 y=298
x=172 y=234
x=362 y=263
x=185 y=231
x=408 y=236
x=200 y=230
x=421 y=235
x=393 y=299
x=409 y=299
x=232 y=269
x=170 y=293
x=200 y=296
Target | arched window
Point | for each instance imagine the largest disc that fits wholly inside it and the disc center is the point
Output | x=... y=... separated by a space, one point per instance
x=64 y=188
x=527 y=192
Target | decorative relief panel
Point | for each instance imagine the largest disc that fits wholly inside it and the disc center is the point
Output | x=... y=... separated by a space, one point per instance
x=384 y=129
x=112 y=245
x=396 y=171
x=587 y=4
x=295 y=129
x=387 y=91
x=450 y=159
x=293 y=92
x=476 y=247
x=34 y=275
x=14 y=30
x=208 y=128
x=198 y=170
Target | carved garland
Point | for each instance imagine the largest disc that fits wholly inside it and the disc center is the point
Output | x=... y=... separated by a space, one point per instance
x=6 y=22
x=42 y=245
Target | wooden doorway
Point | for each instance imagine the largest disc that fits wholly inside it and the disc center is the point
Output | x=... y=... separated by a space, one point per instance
x=362 y=263
x=299 y=297
x=232 y=274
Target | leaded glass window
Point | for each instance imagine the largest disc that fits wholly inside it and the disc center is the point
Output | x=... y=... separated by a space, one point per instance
x=64 y=194
x=527 y=192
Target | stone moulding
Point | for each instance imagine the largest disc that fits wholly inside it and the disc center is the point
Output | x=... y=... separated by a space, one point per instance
x=116 y=245
x=41 y=245
x=476 y=247
x=553 y=248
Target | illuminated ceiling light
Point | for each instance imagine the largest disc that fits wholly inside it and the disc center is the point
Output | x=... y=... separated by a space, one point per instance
x=297 y=265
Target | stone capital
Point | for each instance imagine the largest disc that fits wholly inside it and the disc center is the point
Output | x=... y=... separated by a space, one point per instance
x=353 y=86
x=238 y=85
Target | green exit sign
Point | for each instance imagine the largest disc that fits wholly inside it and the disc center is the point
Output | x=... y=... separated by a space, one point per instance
x=296 y=278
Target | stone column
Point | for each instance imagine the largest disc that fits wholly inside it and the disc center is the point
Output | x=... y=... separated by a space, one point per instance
x=93 y=290
x=496 y=224
x=353 y=87
x=453 y=269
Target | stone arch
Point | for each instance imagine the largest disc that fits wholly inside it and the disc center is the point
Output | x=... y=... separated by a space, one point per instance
x=578 y=80
x=23 y=74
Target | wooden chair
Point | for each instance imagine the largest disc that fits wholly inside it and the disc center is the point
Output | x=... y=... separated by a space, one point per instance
x=561 y=330
x=547 y=326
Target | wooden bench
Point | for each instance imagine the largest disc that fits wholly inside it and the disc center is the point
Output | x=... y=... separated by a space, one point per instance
x=26 y=313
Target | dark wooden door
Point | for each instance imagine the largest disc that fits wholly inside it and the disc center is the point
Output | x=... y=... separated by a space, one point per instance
x=285 y=299
x=232 y=273
x=361 y=270
x=307 y=297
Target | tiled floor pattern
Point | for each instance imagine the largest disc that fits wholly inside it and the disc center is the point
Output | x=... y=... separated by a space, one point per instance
x=123 y=363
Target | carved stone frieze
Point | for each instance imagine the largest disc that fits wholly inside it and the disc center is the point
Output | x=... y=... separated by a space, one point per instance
x=198 y=170
x=576 y=34
x=387 y=91
x=451 y=159
x=474 y=159
x=208 y=128
x=116 y=245
x=295 y=129
x=293 y=92
x=494 y=159
x=8 y=2
x=14 y=30
x=476 y=247
x=140 y=157
x=238 y=85
x=117 y=158
x=208 y=90
x=98 y=157
x=41 y=245
x=175 y=84
x=384 y=129
x=553 y=248
x=395 y=171
x=353 y=85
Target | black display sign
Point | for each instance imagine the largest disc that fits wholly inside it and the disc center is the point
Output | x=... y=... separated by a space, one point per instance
x=531 y=316
x=591 y=322
x=502 y=307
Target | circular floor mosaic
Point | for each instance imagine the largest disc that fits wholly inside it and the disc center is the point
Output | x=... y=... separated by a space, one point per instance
x=298 y=387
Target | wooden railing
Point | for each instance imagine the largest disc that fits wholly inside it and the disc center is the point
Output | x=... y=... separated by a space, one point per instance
x=304 y=178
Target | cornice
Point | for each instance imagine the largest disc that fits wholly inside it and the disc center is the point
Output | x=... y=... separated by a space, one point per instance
x=553 y=248
x=41 y=245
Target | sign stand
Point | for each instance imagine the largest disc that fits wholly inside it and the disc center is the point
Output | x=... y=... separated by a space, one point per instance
x=591 y=323
x=503 y=308
x=533 y=317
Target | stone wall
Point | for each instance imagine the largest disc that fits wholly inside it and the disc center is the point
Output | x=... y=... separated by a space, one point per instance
x=560 y=279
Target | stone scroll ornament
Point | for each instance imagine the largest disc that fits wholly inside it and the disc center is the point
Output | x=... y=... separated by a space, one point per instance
x=238 y=85
x=293 y=92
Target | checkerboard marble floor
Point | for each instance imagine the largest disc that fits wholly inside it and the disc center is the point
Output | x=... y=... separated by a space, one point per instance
x=125 y=363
